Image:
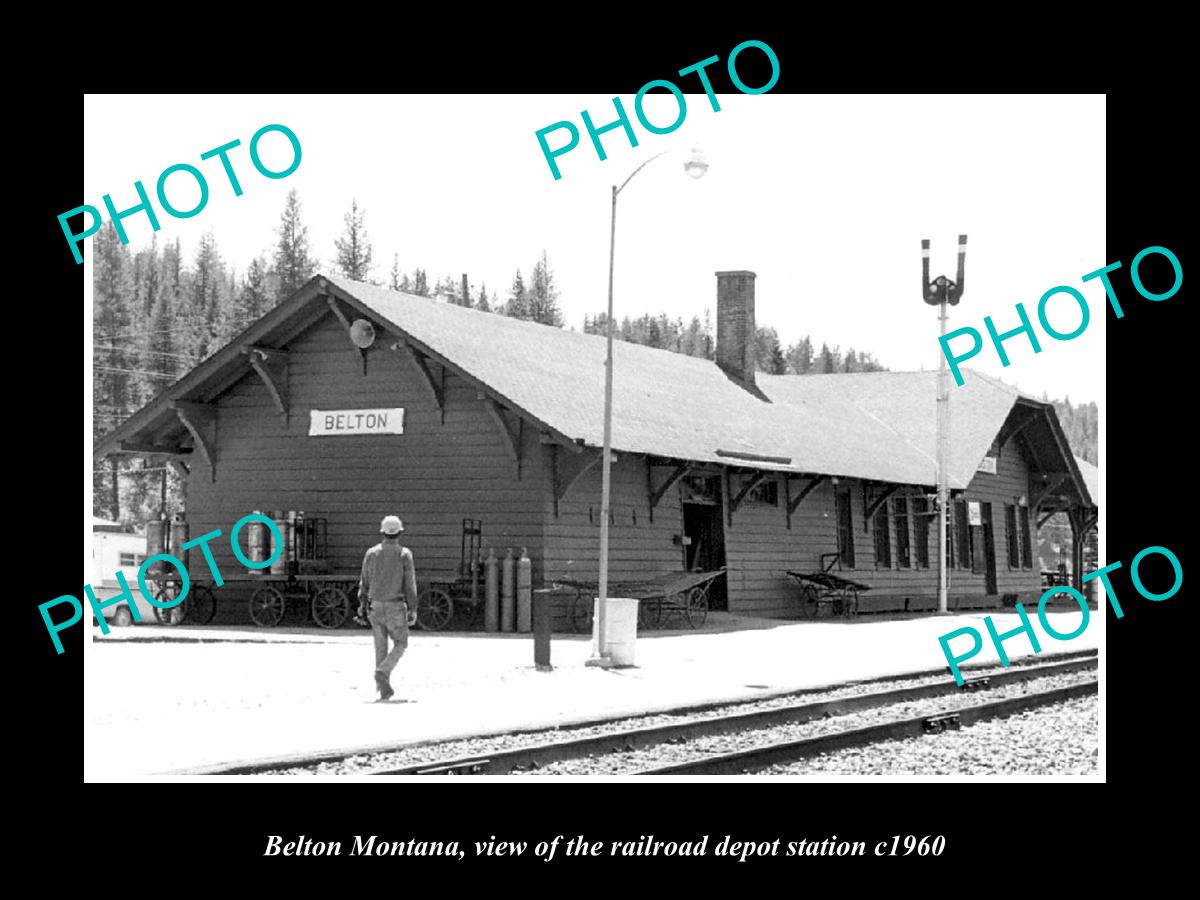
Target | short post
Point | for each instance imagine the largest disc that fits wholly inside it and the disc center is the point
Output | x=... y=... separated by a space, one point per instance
x=541 y=629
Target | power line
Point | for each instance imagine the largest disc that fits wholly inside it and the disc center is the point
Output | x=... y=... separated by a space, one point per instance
x=135 y=372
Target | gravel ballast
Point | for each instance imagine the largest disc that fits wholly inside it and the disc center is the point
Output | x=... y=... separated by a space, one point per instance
x=628 y=763
x=1062 y=739
x=367 y=763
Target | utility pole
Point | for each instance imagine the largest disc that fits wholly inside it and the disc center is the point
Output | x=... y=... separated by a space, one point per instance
x=943 y=292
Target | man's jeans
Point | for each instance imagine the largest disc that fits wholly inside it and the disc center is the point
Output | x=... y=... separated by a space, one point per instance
x=389 y=619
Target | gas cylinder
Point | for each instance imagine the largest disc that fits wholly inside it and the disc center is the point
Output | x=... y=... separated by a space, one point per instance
x=290 y=539
x=508 y=616
x=156 y=541
x=179 y=537
x=256 y=543
x=280 y=566
x=491 y=590
x=524 y=593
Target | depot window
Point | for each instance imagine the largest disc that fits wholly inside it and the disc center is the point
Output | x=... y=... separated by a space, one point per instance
x=845 y=530
x=921 y=519
x=883 y=538
x=903 y=547
x=1010 y=533
x=962 y=531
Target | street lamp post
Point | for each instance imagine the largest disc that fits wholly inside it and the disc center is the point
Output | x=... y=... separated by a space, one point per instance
x=695 y=167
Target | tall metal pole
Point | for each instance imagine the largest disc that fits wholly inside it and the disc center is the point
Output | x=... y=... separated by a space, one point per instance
x=943 y=486
x=606 y=461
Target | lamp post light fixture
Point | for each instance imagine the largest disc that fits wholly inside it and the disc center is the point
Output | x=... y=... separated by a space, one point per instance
x=695 y=167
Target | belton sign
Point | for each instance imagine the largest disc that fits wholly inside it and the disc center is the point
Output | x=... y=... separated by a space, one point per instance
x=356 y=421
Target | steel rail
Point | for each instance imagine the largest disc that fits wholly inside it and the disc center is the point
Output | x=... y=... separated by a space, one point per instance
x=741 y=762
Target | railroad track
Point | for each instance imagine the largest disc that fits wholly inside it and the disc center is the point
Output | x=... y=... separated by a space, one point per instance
x=535 y=757
x=753 y=759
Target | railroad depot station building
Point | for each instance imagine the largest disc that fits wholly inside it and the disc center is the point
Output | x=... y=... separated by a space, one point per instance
x=453 y=414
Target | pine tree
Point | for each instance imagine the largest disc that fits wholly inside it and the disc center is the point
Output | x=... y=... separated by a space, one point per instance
x=354 y=252
x=850 y=364
x=517 y=306
x=800 y=356
x=766 y=346
x=825 y=362
x=778 y=361
x=253 y=299
x=394 y=275
x=543 y=295
x=113 y=387
x=654 y=335
x=293 y=262
x=204 y=313
x=481 y=303
x=420 y=283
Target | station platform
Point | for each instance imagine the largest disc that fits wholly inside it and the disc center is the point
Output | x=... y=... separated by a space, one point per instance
x=163 y=701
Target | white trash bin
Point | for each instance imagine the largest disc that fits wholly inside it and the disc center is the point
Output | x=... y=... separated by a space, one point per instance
x=620 y=629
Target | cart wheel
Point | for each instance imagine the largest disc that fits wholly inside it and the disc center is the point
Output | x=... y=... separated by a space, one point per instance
x=808 y=602
x=697 y=607
x=850 y=603
x=122 y=618
x=330 y=606
x=201 y=606
x=582 y=610
x=267 y=607
x=434 y=609
x=649 y=613
x=175 y=614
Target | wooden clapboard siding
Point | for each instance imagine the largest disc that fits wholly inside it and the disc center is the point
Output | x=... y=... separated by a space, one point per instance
x=1010 y=483
x=638 y=548
x=433 y=476
x=760 y=549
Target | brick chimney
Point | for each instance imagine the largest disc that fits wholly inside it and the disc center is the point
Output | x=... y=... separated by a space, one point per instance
x=735 y=325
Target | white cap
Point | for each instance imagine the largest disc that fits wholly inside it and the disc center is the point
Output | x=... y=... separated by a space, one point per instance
x=391 y=525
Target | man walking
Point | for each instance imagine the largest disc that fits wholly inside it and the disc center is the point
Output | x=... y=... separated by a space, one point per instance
x=387 y=586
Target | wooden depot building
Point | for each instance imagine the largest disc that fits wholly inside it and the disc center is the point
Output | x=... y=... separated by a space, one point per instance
x=452 y=413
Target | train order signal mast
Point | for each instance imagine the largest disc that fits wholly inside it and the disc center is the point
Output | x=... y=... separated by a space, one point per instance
x=941 y=292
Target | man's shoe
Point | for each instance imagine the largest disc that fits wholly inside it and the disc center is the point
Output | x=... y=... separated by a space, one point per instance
x=384 y=685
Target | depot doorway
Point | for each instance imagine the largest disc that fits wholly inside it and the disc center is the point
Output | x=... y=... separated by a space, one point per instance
x=703 y=524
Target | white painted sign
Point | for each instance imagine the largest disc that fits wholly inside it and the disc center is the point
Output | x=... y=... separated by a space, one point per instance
x=356 y=421
x=975 y=512
x=988 y=465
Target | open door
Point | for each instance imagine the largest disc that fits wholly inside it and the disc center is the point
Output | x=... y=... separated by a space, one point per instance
x=989 y=551
x=704 y=524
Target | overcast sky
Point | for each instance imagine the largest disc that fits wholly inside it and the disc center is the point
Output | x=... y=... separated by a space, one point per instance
x=825 y=198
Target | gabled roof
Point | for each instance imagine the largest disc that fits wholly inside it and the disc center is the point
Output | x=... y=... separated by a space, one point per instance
x=877 y=426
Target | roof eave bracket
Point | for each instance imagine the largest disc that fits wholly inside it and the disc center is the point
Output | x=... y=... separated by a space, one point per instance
x=200 y=419
x=272 y=367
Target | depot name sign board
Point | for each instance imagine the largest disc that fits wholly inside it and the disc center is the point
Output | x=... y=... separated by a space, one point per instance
x=323 y=422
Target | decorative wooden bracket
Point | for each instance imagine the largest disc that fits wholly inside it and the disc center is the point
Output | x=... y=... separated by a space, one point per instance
x=272 y=367
x=181 y=468
x=792 y=505
x=437 y=386
x=568 y=471
x=655 y=494
x=873 y=507
x=200 y=419
x=1013 y=426
x=342 y=317
x=511 y=435
x=1056 y=480
x=1046 y=518
x=755 y=480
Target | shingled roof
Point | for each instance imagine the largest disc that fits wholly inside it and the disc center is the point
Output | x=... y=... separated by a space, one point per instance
x=877 y=426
